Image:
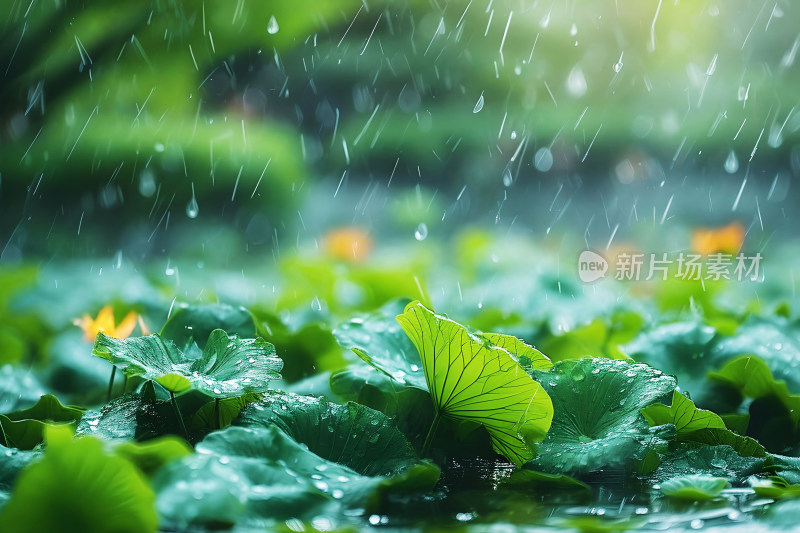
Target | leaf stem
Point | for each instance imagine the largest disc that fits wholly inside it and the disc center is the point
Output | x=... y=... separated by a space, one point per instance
x=111 y=383
x=217 y=421
x=431 y=433
x=178 y=414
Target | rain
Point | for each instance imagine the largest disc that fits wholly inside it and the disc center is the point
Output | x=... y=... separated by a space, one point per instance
x=583 y=175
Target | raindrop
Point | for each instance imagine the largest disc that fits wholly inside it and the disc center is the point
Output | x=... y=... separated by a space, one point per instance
x=618 y=64
x=573 y=30
x=478 y=104
x=545 y=22
x=576 y=82
x=147 y=183
x=316 y=305
x=731 y=163
x=117 y=261
x=508 y=179
x=192 y=209
x=272 y=26
x=421 y=233
x=543 y=160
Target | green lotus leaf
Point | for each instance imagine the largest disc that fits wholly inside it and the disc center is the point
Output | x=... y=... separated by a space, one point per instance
x=12 y=462
x=353 y=435
x=470 y=379
x=411 y=408
x=700 y=426
x=678 y=348
x=252 y=475
x=25 y=429
x=228 y=366
x=18 y=389
x=597 y=422
x=305 y=343
x=753 y=379
x=683 y=414
x=697 y=487
x=150 y=456
x=774 y=411
x=189 y=323
x=774 y=487
x=141 y=416
x=718 y=461
x=774 y=339
x=378 y=339
x=78 y=487
x=220 y=414
x=787 y=467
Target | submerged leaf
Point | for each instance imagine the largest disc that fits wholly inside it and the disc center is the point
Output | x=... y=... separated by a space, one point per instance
x=597 y=422
x=228 y=367
x=697 y=487
x=471 y=379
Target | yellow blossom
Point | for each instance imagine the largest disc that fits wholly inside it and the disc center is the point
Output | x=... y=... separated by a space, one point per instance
x=105 y=323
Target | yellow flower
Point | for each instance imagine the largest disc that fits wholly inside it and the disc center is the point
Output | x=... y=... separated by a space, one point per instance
x=727 y=239
x=105 y=323
x=349 y=243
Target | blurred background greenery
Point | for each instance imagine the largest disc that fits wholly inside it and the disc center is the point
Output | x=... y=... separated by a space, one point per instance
x=121 y=120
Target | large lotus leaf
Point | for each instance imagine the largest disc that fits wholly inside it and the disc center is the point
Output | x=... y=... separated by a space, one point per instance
x=77 y=487
x=12 y=461
x=196 y=322
x=774 y=339
x=139 y=416
x=251 y=476
x=410 y=407
x=597 y=422
x=25 y=429
x=353 y=435
x=694 y=487
x=18 y=389
x=719 y=461
x=379 y=340
x=774 y=411
x=471 y=379
x=680 y=348
x=699 y=426
x=228 y=367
